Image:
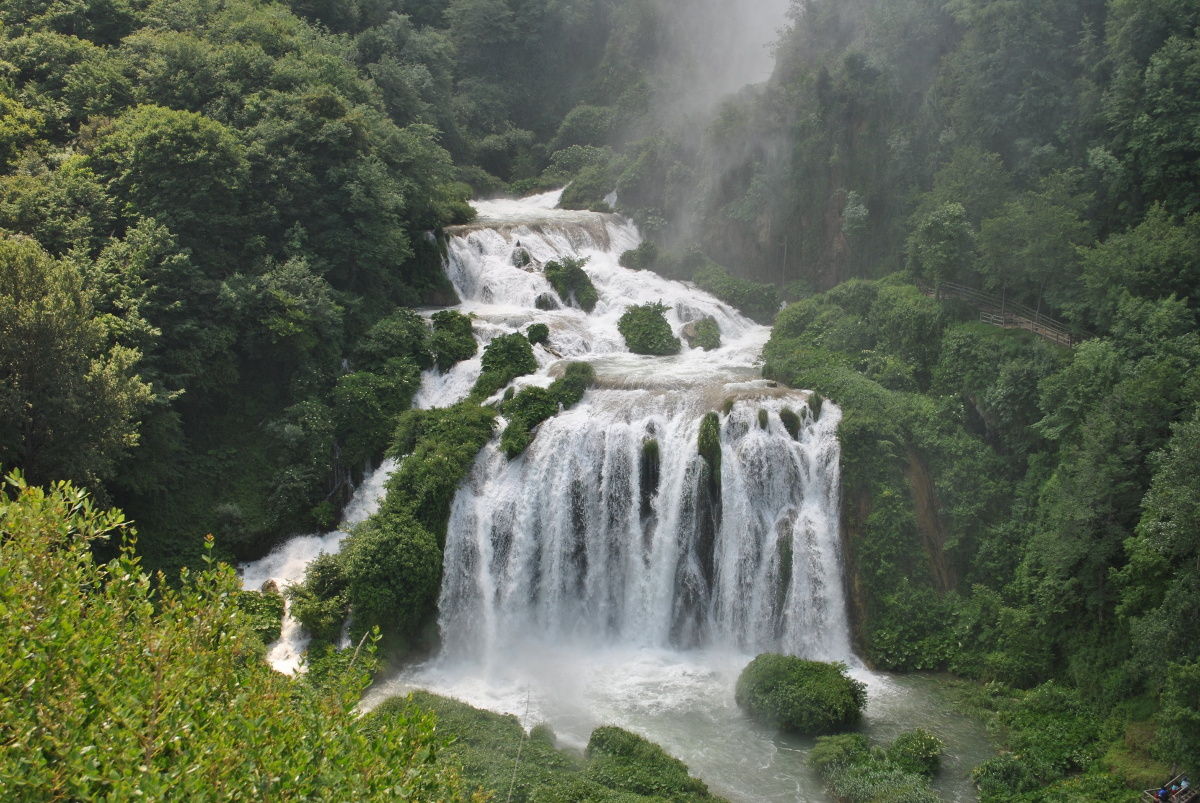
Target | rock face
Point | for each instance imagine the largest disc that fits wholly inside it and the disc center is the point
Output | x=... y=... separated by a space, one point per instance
x=547 y=302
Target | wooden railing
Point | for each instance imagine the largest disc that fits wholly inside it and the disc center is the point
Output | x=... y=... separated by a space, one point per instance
x=998 y=311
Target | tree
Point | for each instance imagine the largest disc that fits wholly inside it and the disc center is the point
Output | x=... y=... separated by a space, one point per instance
x=187 y=171
x=69 y=397
x=942 y=245
x=131 y=686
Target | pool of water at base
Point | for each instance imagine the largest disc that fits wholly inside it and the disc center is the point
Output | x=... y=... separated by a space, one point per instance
x=684 y=702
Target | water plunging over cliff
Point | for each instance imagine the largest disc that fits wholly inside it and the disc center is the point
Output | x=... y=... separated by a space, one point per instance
x=612 y=529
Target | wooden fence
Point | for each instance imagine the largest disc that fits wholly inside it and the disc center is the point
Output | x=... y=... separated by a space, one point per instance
x=998 y=311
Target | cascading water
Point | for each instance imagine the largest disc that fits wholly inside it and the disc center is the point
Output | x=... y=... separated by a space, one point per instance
x=596 y=537
x=612 y=529
x=607 y=575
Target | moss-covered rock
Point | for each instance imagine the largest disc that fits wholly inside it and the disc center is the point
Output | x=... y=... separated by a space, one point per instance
x=704 y=334
x=791 y=421
x=538 y=333
x=572 y=283
x=649 y=471
x=709 y=441
x=808 y=697
x=646 y=330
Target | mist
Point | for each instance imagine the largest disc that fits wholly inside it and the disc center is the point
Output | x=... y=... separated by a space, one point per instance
x=713 y=48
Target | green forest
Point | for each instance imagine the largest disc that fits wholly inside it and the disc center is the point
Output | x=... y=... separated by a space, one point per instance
x=218 y=217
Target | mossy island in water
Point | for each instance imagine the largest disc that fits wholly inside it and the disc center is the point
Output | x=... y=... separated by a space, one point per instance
x=806 y=697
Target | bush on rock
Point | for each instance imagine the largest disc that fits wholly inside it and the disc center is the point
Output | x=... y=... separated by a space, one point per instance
x=808 y=697
x=646 y=330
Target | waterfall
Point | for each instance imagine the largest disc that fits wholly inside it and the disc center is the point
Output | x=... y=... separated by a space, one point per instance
x=611 y=528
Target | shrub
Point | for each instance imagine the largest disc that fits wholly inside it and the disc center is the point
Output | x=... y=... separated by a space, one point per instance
x=807 y=697
x=707 y=334
x=879 y=782
x=622 y=760
x=858 y=773
x=644 y=257
x=588 y=189
x=584 y=125
x=916 y=751
x=439 y=447
x=759 y=302
x=404 y=333
x=319 y=603
x=534 y=405
x=572 y=283
x=264 y=612
x=504 y=359
x=488 y=744
x=365 y=405
x=646 y=330
x=452 y=340
x=393 y=569
x=841 y=749
x=538 y=333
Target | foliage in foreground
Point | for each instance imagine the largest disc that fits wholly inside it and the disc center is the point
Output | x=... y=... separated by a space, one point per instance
x=119 y=685
x=808 y=697
x=496 y=753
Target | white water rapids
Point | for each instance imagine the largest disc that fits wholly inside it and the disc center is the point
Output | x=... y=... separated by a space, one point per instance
x=585 y=583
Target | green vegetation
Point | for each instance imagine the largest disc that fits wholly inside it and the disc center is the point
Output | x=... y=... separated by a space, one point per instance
x=992 y=477
x=452 y=340
x=264 y=612
x=572 y=283
x=859 y=773
x=220 y=201
x=709 y=442
x=643 y=257
x=389 y=570
x=189 y=708
x=703 y=334
x=496 y=753
x=791 y=421
x=534 y=405
x=806 y=697
x=504 y=359
x=646 y=330
x=757 y=301
x=538 y=333
x=625 y=761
